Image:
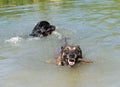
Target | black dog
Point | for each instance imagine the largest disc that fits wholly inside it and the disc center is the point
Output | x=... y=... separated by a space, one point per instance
x=42 y=29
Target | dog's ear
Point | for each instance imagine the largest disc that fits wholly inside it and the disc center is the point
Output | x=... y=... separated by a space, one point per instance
x=77 y=46
x=62 y=47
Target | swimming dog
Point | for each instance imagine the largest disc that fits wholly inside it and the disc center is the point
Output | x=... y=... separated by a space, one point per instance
x=70 y=55
x=42 y=29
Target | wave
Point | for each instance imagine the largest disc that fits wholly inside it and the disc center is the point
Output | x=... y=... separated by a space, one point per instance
x=14 y=40
x=57 y=34
x=18 y=39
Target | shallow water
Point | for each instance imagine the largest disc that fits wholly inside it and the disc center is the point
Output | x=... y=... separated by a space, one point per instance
x=29 y=62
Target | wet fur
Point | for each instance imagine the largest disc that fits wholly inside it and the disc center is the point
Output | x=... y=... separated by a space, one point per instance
x=62 y=58
x=42 y=29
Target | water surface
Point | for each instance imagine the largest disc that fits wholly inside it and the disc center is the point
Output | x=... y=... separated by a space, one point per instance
x=28 y=62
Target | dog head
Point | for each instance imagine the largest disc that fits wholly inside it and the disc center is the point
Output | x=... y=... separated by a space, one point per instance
x=43 y=28
x=44 y=24
x=70 y=54
x=46 y=28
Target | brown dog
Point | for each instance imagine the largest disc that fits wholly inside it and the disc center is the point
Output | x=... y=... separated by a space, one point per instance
x=70 y=55
x=42 y=29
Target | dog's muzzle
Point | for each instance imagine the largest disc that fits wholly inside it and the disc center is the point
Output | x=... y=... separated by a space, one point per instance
x=71 y=59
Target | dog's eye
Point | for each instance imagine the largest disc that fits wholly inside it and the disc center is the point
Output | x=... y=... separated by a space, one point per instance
x=66 y=51
x=77 y=51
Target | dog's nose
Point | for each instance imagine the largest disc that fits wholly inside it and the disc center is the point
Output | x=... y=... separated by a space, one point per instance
x=72 y=55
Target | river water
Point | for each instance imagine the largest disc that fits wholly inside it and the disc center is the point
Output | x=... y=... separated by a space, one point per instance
x=29 y=62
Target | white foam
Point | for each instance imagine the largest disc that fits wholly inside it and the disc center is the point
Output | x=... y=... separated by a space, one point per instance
x=14 y=40
x=35 y=38
x=57 y=34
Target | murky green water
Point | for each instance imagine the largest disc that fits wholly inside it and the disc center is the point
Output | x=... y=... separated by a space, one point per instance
x=28 y=62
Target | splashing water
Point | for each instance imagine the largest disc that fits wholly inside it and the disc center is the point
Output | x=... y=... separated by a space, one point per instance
x=14 y=40
x=57 y=34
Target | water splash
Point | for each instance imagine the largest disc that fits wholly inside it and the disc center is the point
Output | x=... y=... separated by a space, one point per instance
x=33 y=38
x=14 y=40
x=57 y=34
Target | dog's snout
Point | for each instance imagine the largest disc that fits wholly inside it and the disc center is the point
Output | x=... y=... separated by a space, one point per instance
x=72 y=55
